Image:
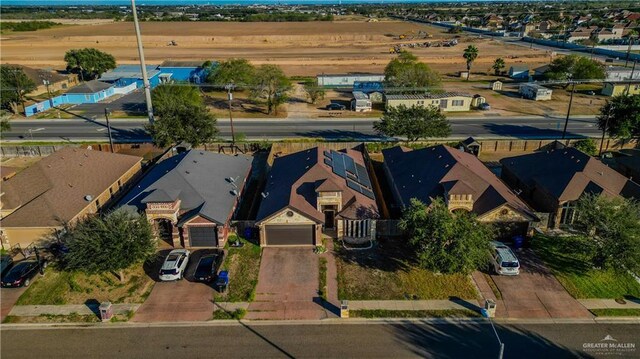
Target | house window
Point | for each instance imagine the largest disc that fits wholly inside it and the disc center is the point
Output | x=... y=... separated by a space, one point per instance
x=87 y=97
x=457 y=103
x=568 y=214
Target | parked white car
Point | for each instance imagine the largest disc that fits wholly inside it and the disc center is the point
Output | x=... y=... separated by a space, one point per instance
x=174 y=265
x=503 y=259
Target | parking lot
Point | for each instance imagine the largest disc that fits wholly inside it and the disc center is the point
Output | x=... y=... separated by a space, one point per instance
x=131 y=104
x=183 y=300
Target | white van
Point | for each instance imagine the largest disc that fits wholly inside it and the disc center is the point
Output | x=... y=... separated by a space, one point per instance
x=503 y=260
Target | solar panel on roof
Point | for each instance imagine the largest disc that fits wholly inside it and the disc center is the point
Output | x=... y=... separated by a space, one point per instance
x=367 y=193
x=363 y=177
x=349 y=165
x=327 y=153
x=338 y=167
x=352 y=176
x=354 y=186
x=328 y=162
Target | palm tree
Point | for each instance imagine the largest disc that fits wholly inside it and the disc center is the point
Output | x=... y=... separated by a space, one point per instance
x=498 y=65
x=470 y=54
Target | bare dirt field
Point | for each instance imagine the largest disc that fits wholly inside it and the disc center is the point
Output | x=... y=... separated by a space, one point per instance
x=301 y=48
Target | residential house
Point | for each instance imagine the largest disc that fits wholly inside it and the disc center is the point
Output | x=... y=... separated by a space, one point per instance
x=191 y=197
x=56 y=81
x=602 y=35
x=459 y=178
x=535 y=92
x=539 y=72
x=318 y=192
x=360 y=102
x=447 y=102
x=620 y=88
x=626 y=161
x=621 y=73
x=92 y=91
x=60 y=189
x=519 y=72
x=348 y=79
x=552 y=181
x=581 y=34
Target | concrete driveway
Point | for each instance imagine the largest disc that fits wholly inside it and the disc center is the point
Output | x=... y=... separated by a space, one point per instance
x=287 y=285
x=536 y=293
x=8 y=298
x=177 y=301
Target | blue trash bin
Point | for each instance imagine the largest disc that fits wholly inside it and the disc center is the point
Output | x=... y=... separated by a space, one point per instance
x=222 y=282
x=248 y=233
x=518 y=241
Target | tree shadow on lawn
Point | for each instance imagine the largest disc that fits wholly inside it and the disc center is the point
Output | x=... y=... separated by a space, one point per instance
x=562 y=254
x=152 y=265
x=386 y=255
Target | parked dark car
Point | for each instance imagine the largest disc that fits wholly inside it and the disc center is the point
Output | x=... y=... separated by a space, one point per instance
x=22 y=273
x=207 y=267
x=5 y=263
x=336 y=106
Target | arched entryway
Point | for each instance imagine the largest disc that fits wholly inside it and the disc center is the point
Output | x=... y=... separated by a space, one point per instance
x=164 y=230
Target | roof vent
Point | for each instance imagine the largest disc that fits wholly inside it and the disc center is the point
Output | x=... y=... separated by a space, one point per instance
x=194 y=161
x=264 y=194
x=187 y=172
x=88 y=198
x=601 y=173
x=446 y=166
x=86 y=155
x=234 y=192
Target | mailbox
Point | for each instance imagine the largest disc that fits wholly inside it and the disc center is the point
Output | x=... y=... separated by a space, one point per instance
x=490 y=307
x=344 y=309
x=106 y=311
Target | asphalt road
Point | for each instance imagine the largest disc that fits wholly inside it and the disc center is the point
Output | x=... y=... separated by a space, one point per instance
x=132 y=130
x=405 y=340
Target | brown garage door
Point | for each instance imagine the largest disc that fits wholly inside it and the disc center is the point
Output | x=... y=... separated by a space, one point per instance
x=290 y=235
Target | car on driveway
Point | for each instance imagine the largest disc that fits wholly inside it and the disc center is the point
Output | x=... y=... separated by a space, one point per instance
x=22 y=273
x=503 y=260
x=484 y=106
x=174 y=265
x=5 y=263
x=207 y=267
x=336 y=107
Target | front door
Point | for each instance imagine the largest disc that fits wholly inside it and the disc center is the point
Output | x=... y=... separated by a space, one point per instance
x=329 y=219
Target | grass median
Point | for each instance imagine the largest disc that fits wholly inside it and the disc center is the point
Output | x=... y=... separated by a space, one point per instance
x=243 y=264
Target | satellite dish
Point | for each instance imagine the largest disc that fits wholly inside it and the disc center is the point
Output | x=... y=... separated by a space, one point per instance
x=88 y=198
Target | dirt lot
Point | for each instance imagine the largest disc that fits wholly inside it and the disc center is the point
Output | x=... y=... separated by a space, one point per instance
x=300 y=48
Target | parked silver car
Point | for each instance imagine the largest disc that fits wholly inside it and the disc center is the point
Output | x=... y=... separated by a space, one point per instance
x=174 y=265
x=503 y=259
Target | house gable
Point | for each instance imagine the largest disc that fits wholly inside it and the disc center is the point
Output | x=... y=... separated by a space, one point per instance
x=505 y=213
x=287 y=215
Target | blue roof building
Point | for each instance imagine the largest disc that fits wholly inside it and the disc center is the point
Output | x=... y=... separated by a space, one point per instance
x=183 y=71
x=125 y=75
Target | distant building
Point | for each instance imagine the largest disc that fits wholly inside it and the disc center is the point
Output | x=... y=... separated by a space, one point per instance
x=447 y=102
x=125 y=75
x=496 y=85
x=60 y=189
x=621 y=73
x=539 y=72
x=360 y=102
x=375 y=90
x=92 y=91
x=535 y=92
x=57 y=81
x=620 y=88
x=183 y=71
x=519 y=72
x=348 y=80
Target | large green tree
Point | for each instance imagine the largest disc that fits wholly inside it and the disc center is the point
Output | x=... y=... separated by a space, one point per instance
x=612 y=225
x=470 y=55
x=89 y=63
x=232 y=71
x=406 y=72
x=182 y=116
x=109 y=243
x=443 y=241
x=271 y=86
x=575 y=67
x=620 y=117
x=14 y=85
x=413 y=122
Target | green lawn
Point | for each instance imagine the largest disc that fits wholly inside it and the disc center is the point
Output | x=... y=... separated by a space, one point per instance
x=237 y=314
x=381 y=313
x=243 y=265
x=615 y=312
x=386 y=273
x=322 y=278
x=60 y=287
x=573 y=269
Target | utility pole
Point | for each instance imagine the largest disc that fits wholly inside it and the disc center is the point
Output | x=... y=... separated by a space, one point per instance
x=143 y=66
x=229 y=87
x=106 y=116
x=633 y=70
x=604 y=130
x=566 y=121
x=46 y=83
x=626 y=62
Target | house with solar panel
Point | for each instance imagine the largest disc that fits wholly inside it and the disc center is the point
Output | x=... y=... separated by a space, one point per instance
x=318 y=192
x=459 y=178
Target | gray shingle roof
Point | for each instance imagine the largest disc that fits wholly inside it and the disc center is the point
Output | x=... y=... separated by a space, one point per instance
x=427 y=96
x=198 y=178
x=129 y=71
x=92 y=86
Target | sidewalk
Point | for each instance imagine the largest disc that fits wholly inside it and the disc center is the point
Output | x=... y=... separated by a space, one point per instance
x=608 y=304
x=413 y=304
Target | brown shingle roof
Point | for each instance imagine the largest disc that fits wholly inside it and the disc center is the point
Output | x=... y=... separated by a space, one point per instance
x=427 y=173
x=52 y=191
x=294 y=180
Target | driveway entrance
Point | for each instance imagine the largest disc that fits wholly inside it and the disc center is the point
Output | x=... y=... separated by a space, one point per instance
x=287 y=285
x=536 y=293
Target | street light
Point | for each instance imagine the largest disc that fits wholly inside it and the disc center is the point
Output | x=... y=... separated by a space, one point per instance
x=566 y=121
x=143 y=66
x=230 y=87
x=604 y=130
